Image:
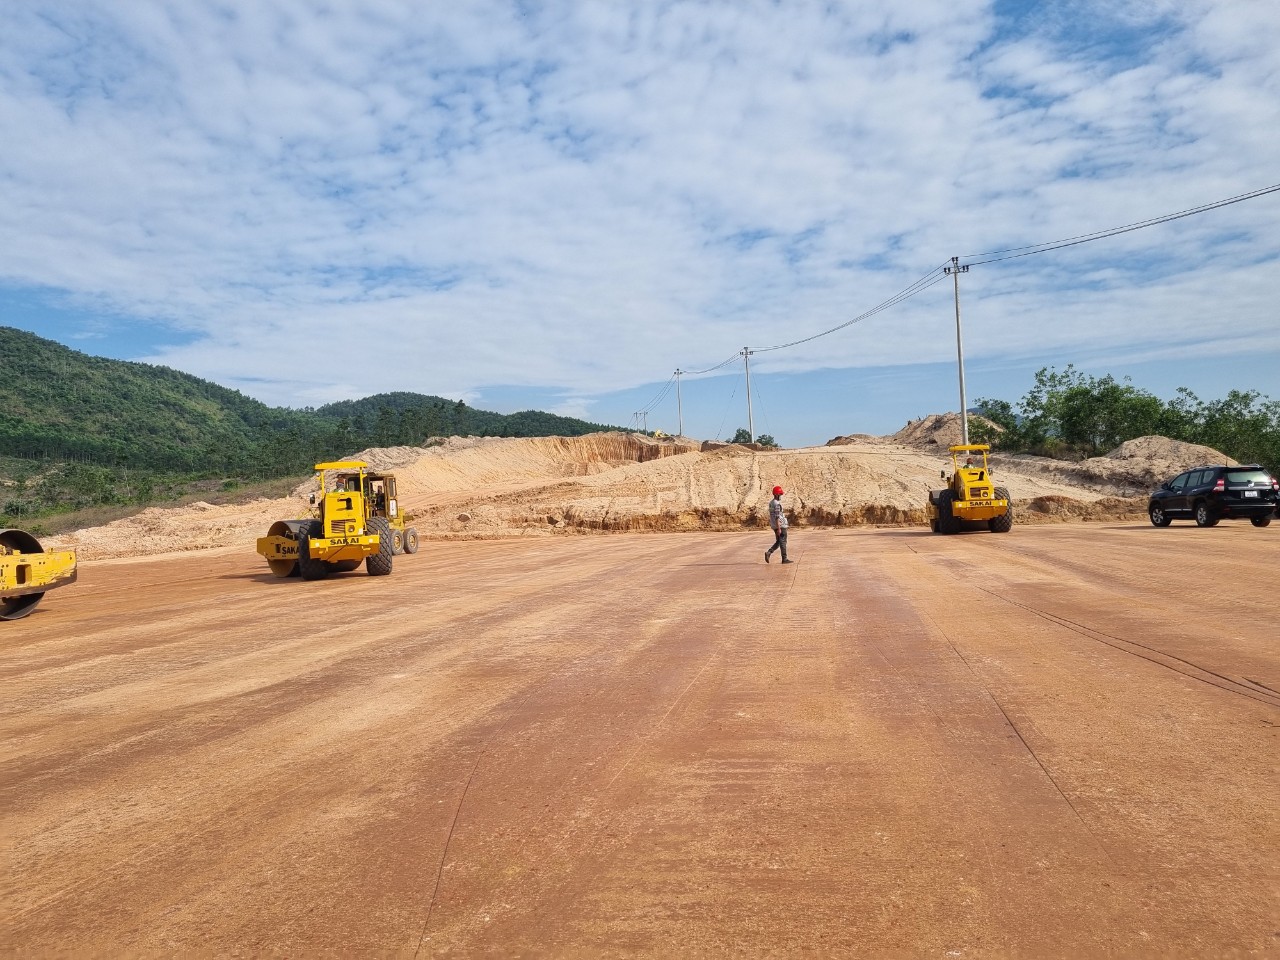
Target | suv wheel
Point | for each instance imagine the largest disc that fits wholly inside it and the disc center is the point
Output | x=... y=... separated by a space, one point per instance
x=1260 y=521
x=1203 y=517
x=1158 y=517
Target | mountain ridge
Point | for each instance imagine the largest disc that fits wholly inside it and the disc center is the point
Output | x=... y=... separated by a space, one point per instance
x=57 y=403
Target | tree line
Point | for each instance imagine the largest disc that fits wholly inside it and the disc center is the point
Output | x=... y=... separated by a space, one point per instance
x=1069 y=415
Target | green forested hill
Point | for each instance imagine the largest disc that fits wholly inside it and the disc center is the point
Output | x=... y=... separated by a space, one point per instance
x=59 y=404
x=83 y=423
x=408 y=417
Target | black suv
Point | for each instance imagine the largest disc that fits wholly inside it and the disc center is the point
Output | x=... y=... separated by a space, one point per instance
x=1210 y=494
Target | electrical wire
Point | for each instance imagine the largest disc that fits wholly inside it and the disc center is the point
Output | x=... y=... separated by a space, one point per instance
x=662 y=395
x=725 y=415
x=937 y=274
x=764 y=411
x=924 y=283
x=994 y=256
x=665 y=390
x=722 y=363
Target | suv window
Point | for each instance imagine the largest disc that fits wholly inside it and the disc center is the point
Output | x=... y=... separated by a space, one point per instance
x=1179 y=482
x=1248 y=476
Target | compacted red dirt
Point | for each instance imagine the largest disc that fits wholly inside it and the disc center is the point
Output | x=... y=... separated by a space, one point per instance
x=1060 y=742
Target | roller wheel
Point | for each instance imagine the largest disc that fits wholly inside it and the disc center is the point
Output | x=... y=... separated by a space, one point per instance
x=1203 y=517
x=1158 y=517
x=1004 y=522
x=308 y=568
x=284 y=528
x=379 y=564
x=411 y=540
x=948 y=522
x=15 y=608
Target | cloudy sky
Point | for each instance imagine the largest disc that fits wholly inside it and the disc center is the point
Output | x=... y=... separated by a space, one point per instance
x=557 y=205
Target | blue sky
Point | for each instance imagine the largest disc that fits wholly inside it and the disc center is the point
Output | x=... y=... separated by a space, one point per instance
x=555 y=206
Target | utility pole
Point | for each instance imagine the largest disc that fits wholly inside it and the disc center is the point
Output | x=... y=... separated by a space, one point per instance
x=751 y=424
x=955 y=270
x=679 y=405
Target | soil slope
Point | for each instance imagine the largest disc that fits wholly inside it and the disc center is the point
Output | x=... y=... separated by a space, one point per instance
x=497 y=487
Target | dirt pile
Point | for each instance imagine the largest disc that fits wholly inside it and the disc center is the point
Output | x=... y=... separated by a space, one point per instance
x=938 y=430
x=1146 y=462
x=495 y=487
x=1132 y=469
x=469 y=463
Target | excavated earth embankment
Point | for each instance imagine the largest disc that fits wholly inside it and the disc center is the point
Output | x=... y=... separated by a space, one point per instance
x=496 y=487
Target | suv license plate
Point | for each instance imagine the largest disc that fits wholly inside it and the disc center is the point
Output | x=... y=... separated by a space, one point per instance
x=1251 y=493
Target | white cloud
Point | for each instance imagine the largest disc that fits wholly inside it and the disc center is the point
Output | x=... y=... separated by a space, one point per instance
x=589 y=196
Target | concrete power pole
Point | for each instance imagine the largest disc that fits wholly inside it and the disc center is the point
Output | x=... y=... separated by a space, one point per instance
x=751 y=424
x=955 y=270
x=679 y=406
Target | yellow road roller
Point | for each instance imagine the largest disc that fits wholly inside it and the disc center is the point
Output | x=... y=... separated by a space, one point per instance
x=345 y=532
x=27 y=571
x=971 y=500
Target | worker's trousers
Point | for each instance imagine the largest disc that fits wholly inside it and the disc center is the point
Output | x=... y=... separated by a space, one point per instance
x=780 y=543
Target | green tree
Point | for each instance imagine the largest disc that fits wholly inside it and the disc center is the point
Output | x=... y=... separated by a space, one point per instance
x=742 y=436
x=385 y=427
x=1094 y=416
x=1069 y=414
x=767 y=441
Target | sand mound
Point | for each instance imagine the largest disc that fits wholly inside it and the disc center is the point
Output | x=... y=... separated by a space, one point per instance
x=473 y=487
x=1148 y=461
x=938 y=430
x=1132 y=469
x=854 y=438
x=170 y=530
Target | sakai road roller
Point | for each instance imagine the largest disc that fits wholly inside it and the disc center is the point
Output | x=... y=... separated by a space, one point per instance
x=970 y=501
x=27 y=572
x=359 y=521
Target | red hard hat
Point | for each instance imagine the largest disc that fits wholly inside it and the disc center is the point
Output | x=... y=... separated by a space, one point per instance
x=777 y=490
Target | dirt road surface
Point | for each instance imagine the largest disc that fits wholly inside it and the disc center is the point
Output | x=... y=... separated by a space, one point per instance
x=1057 y=743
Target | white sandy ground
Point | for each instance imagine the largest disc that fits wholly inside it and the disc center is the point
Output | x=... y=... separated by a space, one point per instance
x=496 y=487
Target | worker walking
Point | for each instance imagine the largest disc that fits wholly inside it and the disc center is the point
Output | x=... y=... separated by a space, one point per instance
x=778 y=522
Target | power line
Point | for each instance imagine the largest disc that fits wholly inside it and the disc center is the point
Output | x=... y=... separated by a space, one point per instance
x=1032 y=249
x=941 y=272
x=662 y=395
x=924 y=283
x=725 y=416
x=722 y=363
x=935 y=275
x=938 y=273
x=665 y=389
